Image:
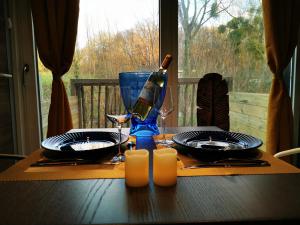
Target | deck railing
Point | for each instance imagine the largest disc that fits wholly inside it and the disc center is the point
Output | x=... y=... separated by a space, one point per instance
x=248 y=111
x=92 y=95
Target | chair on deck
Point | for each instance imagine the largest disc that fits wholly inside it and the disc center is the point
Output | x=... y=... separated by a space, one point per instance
x=285 y=155
x=213 y=101
x=287 y=152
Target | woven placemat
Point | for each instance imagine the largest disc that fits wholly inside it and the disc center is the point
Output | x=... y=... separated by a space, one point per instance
x=22 y=171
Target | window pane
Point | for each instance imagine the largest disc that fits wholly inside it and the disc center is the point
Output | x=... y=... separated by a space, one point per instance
x=7 y=125
x=225 y=37
x=110 y=40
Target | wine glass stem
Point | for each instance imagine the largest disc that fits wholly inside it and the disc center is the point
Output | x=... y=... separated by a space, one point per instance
x=119 y=126
x=164 y=128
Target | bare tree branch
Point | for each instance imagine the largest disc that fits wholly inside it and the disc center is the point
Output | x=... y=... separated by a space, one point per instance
x=204 y=12
x=226 y=9
x=194 y=18
x=202 y=22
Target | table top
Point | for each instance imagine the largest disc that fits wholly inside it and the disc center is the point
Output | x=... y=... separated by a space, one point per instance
x=256 y=199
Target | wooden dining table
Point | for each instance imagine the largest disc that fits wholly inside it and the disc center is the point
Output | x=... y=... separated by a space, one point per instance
x=206 y=199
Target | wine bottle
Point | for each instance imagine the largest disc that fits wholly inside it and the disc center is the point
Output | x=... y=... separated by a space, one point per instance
x=151 y=90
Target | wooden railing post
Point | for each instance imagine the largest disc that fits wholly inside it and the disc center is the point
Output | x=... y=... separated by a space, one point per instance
x=193 y=104
x=80 y=105
x=98 y=105
x=106 y=104
x=92 y=106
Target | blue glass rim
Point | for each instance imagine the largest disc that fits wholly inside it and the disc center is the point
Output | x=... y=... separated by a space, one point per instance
x=142 y=73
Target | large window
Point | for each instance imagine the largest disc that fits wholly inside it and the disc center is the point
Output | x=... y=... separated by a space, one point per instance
x=220 y=36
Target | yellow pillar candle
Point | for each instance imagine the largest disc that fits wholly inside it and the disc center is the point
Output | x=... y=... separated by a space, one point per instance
x=137 y=168
x=165 y=167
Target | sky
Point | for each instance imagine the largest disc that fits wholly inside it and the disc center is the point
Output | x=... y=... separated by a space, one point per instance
x=119 y=15
x=94 y=14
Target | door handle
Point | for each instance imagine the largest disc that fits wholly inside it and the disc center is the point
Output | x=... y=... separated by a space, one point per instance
x=25 y=70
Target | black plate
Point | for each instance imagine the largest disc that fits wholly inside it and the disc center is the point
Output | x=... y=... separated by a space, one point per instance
x=217 y=144
x=83 y=144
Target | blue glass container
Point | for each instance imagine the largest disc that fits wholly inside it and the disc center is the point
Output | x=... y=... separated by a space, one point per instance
x=136 y=81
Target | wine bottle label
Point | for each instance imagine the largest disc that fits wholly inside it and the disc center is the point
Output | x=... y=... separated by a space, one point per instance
x=150 y=92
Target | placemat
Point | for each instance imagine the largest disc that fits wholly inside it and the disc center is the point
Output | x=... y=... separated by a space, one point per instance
x=22 y=171
x=277 y=166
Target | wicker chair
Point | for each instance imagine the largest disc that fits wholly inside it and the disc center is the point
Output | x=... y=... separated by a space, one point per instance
x=213 y=101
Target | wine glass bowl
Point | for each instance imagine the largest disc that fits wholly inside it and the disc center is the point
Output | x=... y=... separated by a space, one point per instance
x=164 y=112
x=119 y=119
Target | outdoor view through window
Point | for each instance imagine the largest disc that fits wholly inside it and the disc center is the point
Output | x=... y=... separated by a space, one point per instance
x=219 y=36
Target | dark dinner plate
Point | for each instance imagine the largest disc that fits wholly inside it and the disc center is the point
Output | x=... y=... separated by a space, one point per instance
x=82 y=144
x=217 y=144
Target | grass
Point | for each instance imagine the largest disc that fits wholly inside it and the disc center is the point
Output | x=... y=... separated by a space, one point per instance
x=45 y=79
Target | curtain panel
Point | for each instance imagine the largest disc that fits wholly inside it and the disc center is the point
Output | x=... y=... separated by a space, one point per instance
x=55 y=25
x=281 y=23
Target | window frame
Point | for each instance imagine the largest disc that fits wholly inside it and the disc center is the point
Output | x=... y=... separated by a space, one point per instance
x=168 y=44
x=295 y=93
x=26 y=98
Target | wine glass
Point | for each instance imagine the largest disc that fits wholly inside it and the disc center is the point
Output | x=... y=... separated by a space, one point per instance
x=119 y=118
x=166 y=109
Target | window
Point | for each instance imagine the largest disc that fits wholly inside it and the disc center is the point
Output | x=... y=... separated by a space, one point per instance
x=220 y=36
x=110 y=40
x=225 y=37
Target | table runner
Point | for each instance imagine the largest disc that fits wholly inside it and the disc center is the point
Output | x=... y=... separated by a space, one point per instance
x=22 y=170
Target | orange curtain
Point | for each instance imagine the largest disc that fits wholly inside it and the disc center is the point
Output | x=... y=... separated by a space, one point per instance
x=55 y=25
x=281 y=22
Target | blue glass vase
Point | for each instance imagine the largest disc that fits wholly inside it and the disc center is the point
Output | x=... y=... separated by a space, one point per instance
x=136 y=81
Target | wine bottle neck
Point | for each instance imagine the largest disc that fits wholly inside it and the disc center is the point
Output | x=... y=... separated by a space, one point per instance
x=166 y=62
x=162 y=70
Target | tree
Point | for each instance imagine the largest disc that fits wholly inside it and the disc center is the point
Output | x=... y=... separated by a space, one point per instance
x=107 y=53
x=246 y=32
x=245 y=35
x=75 y=67
x=193 y=16
x=141 y=45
